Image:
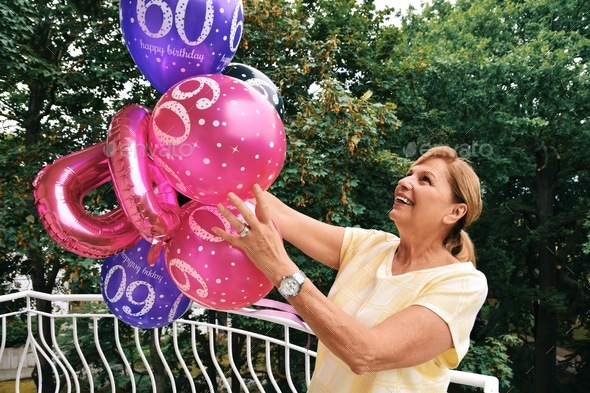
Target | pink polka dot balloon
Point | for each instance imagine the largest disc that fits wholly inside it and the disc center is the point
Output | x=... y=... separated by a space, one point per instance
x=208 y=269
x=212 y=134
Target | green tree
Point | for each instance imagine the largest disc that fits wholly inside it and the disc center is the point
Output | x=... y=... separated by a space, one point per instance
x=339 y=162
x=506 y=83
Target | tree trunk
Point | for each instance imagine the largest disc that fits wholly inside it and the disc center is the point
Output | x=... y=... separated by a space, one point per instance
x=43 y=277
x=546 y=318
x=156 y=362
x=43 y=272
x=238 y=343
x=546 y=333
x=45 y=376
x=212 y=318
x=44 y=283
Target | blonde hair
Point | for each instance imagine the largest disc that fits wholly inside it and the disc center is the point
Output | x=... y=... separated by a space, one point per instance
x=466 y=189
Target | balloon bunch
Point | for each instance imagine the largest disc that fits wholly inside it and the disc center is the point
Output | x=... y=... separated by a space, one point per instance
x=216 y=129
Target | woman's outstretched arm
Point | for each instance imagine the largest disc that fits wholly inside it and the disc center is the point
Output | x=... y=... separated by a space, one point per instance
x=407 y=338
x=318 y=240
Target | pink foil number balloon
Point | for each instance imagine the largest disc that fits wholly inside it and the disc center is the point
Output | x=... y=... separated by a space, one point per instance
x=206 y=268
x=59 y=191
x=213 y=134
x=146 y=197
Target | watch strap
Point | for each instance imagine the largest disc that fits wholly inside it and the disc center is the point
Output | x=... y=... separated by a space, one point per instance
x=300 y=277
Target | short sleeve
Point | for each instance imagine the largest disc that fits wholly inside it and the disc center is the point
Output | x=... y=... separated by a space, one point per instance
x=349 y=243
x=456 y=299
x=358 y=241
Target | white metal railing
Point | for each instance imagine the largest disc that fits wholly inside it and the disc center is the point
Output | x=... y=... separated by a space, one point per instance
x=90 y=350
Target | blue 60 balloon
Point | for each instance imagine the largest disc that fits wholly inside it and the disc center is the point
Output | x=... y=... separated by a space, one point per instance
x=171 y=40
x=141 y=295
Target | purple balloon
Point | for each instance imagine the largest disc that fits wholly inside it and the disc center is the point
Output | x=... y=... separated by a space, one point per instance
x=141 y=295
x=171 y=40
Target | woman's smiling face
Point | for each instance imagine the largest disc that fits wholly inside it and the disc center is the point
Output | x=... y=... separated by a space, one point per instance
x=424 y=196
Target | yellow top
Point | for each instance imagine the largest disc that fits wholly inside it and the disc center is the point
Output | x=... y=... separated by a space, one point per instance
x=366 y=289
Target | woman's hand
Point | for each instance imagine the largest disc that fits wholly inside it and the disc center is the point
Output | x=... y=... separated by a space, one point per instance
x=259 y=239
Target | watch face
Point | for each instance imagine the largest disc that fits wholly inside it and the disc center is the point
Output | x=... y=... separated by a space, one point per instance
x=289 y=286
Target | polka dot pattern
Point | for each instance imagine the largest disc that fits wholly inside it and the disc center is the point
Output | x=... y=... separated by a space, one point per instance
x=212 y=273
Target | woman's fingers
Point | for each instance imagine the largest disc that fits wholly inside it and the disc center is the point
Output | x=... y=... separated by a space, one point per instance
x=252 y=220
x=262 y=213
x=243 y=209
x=248 y=216
x=262 y=210
x=228 y=237
x=231 y=218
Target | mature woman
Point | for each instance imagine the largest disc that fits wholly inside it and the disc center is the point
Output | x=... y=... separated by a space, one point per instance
x=400 y=311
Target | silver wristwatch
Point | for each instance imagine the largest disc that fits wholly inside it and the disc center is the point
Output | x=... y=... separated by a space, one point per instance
x=291 y=285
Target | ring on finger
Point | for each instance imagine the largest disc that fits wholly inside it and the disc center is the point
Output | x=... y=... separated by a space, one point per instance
x=244 y=231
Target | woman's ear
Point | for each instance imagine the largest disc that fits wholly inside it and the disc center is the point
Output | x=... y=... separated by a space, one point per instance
x=458 y=210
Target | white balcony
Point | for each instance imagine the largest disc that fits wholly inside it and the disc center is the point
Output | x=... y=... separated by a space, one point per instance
x=89 y=350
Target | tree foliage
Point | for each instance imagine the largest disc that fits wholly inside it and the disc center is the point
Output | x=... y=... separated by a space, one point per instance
x=506 y=83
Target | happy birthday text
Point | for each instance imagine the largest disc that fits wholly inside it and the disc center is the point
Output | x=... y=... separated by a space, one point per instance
x=146 y=271
x=160 y=50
